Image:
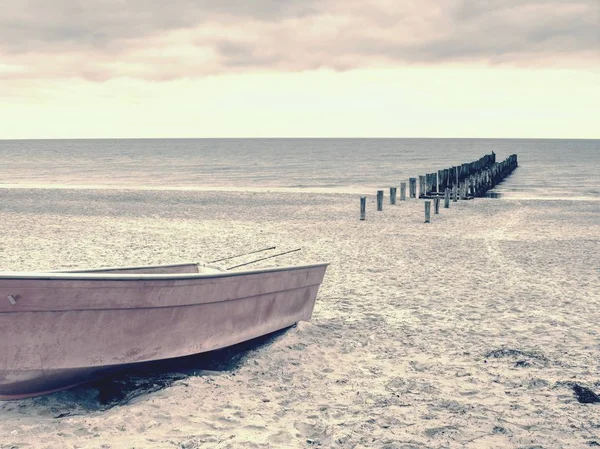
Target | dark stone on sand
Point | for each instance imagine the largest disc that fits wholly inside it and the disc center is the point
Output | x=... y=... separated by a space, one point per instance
x=509 y=352
x=584 y=395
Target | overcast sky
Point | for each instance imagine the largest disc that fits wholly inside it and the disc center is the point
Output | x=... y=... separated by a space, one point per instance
x=300 y=68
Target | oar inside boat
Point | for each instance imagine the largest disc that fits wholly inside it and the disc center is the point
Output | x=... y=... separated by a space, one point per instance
x=240 y=255
x=263 y=258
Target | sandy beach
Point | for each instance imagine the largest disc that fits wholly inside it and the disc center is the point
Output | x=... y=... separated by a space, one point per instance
x=469 y=331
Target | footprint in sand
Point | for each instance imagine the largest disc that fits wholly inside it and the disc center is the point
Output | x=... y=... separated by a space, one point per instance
x=316 y=433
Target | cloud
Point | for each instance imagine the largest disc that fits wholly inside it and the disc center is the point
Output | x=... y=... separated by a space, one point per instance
x=158 y=40
x=71 y=24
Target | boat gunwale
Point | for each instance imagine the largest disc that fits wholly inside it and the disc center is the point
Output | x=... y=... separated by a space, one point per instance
x=140 y=267
x=91 y=276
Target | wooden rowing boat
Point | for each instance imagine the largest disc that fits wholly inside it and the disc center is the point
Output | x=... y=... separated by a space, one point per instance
x=59 y=329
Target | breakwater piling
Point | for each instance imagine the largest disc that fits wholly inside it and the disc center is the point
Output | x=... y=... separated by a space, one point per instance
x=465 y=182
x=380 y=200
x=469 y=180
x=363 y=207
x=427 y=211
x=413 y=187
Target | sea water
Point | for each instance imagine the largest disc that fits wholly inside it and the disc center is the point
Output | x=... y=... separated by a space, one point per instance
x=557 y=169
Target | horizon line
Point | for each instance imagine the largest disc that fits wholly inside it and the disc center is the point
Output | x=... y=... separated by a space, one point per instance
x=296 y=138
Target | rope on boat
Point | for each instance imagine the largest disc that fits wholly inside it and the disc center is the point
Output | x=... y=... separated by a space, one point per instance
x=263 y=258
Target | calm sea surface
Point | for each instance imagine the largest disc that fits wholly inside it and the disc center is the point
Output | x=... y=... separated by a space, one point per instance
x=562 y=169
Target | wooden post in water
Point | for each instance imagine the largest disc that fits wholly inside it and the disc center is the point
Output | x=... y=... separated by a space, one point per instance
x=392 y=195
x=447 y=198
x=402 y=191
x=436 y=205
x=413 y=187
x=380 y=200
x=461 y=190
x=454 y=193
x=427 y=211
x=363 y=207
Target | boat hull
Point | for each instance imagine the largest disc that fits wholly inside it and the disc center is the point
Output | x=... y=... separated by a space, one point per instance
x=63 y=331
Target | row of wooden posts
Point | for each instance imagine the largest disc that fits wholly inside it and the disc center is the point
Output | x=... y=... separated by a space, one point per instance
x=466 y=182
x=472 y=179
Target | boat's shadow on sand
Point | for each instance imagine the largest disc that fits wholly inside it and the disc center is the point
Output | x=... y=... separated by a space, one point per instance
x=145 y=378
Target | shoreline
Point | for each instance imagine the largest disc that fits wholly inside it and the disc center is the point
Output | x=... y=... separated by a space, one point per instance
x=350 y=190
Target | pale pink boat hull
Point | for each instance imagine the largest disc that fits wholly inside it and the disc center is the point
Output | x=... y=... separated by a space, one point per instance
x=66 y=328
